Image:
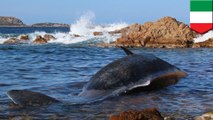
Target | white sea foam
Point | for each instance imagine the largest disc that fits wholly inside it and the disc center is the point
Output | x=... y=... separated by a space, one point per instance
x=2 y=40
x=84 y=28
x=84 y=25
x=204 y=37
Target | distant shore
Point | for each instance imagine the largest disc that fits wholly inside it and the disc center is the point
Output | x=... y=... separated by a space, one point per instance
x=6 y=21
x=30 y=26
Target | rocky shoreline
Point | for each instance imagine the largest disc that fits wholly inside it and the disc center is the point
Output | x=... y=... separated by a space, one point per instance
x=153 y=114
x=166 y=32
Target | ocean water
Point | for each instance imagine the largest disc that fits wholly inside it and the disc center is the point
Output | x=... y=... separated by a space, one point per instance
x=60 y=71
x=62 y=67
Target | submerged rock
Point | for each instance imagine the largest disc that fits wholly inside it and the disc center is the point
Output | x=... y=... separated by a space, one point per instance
x=12 y=41
x=207 y=116
x=165 y=33
x=39 y=40
x=146 y=114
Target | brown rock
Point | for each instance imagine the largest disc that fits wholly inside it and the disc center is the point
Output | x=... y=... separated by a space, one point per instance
x=75 y=35
x=146 y=114
x=12 y=41
x=206 y=116
x=97 y=33
x=206 y=44
x=164 y=33
x=24 y=37
x=39 y=40
x=49 y=37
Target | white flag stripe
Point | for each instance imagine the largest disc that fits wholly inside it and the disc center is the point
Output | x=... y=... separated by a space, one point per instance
x=201 y=17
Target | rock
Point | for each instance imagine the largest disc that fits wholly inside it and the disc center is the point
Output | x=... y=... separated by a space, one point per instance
x=12 y=41
x=97 y=33
x=50 y=25
x=49 y=37
x=24 y=37
x=206 y=44
x=10 y=21
x=39 y=40
x=207 y=116
x=146 y=114
x=75 y=35
x=164 y=33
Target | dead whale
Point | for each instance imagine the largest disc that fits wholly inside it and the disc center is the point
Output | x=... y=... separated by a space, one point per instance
x=29 y=98
x=131 y=73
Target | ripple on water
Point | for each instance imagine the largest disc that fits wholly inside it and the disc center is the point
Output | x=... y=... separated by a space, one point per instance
x=61 y=71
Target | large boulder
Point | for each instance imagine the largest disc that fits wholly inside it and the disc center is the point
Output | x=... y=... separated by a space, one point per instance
x=39 y=40
x=164 y=33
x=146 y=114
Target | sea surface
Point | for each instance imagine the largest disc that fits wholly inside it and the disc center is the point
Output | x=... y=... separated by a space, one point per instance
x=61 y=70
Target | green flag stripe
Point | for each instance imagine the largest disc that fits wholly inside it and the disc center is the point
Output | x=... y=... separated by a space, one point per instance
x=201 y=5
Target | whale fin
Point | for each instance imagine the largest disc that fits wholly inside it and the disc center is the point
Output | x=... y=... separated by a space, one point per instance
x=128 y=52
x=29 y=98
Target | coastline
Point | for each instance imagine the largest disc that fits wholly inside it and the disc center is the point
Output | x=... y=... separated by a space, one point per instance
x=31 y=26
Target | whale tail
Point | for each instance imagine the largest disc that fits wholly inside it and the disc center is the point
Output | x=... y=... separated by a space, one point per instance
x=29 y=98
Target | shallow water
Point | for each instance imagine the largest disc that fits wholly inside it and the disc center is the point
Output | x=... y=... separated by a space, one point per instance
x=60 y=71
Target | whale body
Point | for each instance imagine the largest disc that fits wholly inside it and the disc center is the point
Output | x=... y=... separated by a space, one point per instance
x=132 y=73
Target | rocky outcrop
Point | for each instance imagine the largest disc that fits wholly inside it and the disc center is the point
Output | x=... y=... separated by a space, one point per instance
x=42 y=40
x=50 y=25
x=49 y=37
x=146 y=114
x=24 y=37
x=206 y=44
x=39 y=40
x=206 y=116
x=164 y=33
x=10 y=22
x=13 y=41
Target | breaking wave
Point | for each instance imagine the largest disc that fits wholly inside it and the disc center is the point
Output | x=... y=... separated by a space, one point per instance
x=80 y=31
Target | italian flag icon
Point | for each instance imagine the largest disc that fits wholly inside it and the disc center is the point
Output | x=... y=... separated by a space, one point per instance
x=201 y=15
